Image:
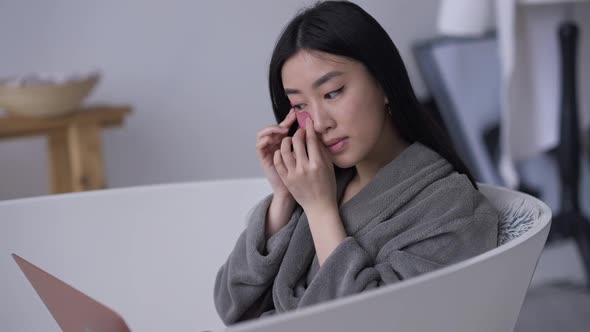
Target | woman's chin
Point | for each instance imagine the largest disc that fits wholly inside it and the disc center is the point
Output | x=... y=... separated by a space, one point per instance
x=342 y=161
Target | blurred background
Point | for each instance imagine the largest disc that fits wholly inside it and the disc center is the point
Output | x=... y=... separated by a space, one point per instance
x=194 y=72
x=193 y=76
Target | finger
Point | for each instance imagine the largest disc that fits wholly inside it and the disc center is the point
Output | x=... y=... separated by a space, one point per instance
x=271 y=130
x=286 y=153
x=263 y=142
x=289 y=119
x=299 y=147
x=323 y=149
x=279 y=165
x=312 y=142
x=269 y=142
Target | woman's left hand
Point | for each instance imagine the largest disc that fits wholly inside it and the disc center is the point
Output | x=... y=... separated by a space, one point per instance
x=307 y=171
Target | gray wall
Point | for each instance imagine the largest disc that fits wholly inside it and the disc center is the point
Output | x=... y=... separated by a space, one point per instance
x=194 y=72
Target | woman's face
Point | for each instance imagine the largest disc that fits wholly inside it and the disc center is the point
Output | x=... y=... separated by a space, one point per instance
x=343 y=100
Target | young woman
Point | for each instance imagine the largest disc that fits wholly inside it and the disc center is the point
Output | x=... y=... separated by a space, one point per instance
x=367 y=191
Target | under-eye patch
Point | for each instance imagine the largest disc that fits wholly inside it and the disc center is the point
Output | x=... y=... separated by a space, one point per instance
x=301 y=118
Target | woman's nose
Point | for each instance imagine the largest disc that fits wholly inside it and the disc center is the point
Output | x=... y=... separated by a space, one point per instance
x=322 y=121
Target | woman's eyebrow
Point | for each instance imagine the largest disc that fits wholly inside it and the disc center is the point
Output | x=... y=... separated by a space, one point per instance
x=325 y=78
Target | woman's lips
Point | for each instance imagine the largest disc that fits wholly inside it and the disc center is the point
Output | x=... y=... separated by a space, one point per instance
x=338 y=146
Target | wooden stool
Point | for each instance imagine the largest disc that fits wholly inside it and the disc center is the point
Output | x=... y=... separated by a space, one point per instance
x=75 y=147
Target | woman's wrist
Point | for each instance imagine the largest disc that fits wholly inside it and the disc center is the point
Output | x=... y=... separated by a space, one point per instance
x=279 y=213
x=326 y=229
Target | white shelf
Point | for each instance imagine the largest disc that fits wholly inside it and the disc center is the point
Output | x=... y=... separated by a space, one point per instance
x=549 y=2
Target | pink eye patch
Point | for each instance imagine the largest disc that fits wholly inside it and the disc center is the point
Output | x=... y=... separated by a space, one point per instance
x=301 y=117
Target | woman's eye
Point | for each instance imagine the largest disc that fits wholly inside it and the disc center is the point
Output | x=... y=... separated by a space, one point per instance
x=298 y=107
x=333 y=94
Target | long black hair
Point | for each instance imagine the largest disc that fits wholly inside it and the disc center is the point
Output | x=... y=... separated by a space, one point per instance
x=343 y=28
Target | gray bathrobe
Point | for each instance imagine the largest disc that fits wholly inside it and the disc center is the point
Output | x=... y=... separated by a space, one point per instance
x=416 y=215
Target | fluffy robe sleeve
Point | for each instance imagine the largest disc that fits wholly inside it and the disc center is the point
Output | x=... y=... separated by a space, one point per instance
x=350 y=269
x=243 y=284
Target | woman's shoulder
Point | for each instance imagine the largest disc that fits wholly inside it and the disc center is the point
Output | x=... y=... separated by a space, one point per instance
x=456 y=194
x=453 y=205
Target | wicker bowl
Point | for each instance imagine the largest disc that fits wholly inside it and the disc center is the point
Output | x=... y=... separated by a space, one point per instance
x=45 y=98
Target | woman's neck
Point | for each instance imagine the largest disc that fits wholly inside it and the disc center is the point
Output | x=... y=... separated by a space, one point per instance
x=390 y=146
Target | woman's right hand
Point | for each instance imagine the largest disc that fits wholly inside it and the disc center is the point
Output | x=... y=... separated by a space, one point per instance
x=268 y=140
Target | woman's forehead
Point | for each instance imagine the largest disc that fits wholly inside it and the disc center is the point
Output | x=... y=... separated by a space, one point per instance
x=306 y=66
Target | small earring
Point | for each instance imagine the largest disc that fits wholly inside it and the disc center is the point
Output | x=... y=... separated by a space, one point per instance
x=388 y=109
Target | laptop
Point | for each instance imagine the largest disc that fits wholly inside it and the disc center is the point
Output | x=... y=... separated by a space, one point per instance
x=71 y=309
